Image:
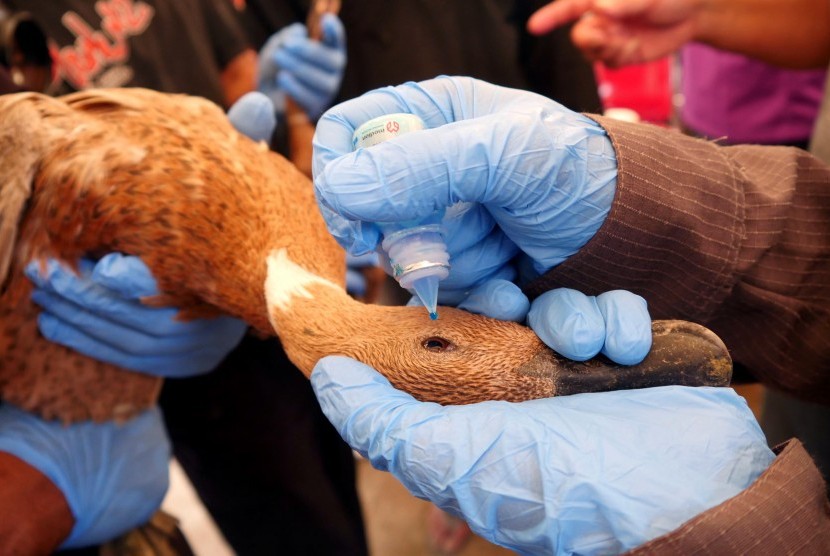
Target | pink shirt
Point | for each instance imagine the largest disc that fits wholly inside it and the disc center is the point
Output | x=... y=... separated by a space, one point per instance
x=747 y=101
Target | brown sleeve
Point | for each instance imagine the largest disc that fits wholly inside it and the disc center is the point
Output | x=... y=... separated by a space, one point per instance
x=785 y=511
x=736 y=238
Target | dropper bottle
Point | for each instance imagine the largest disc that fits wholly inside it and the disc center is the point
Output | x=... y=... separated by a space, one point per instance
x=416 y=249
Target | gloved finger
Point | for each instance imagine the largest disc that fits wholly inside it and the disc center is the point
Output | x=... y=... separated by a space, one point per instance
x=465 y=225
x=301 y=81
x=334 y=33
x=40 y=273
x=568 y=321
x=498 y=299
x=312 y=89
x=455 y=296
x=160 y=335
x=627 y=326
x=333 y=135
x=65 y=294
x=267 y=68
x=276 y=41
x=489 y=258
x=254 y=116
x=125 y=275
x=333 y=138
x=301 y=54
x=364 y=407
x=83 y=292
x=146 y=358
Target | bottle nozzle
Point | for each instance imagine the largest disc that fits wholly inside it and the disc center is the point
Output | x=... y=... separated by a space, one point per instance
x=419 y=260
x=427 y=291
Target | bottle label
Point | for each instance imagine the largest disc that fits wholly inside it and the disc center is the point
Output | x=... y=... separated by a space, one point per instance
x=378 y=130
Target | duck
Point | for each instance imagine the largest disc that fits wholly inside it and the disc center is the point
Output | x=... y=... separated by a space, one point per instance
x=228 y=226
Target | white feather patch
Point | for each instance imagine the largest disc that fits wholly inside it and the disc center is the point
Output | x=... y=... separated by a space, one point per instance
x=286 y=280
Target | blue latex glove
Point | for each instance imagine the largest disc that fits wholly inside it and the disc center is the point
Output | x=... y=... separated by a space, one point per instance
x=113 y=477
x=589 y=474
x=515 y=172
x=355 y=280
x=253 y=115
x=308 y=71
x=616 y=323
x=99 y=314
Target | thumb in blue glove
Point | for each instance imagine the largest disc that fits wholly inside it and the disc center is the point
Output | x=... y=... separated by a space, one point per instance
x=584 y=474
x=113 y=476
x=99 y=313
x=307 y=70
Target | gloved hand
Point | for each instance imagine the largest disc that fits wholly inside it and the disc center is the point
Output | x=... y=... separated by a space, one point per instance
x=114 y=477
x=307 y=70
x=99 y=314
x=515 y=172
x=583 y=474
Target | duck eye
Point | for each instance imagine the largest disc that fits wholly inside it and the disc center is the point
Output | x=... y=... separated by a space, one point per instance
x=437 y=344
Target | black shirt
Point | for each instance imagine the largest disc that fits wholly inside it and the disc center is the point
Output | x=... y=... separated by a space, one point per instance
x=177 y=46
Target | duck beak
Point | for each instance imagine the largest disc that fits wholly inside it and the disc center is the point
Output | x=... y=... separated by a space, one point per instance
x=682 y=353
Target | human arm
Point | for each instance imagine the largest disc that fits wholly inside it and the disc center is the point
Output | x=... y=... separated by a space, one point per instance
x=592 y=473
x=89 y=481
x=620 y=32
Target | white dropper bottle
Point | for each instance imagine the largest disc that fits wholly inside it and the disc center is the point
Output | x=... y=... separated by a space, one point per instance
x=416 y=249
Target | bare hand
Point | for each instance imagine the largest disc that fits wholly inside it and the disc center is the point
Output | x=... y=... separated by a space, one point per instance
x=621 y=32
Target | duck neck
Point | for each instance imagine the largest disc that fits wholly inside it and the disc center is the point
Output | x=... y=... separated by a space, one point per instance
x=314 y=316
